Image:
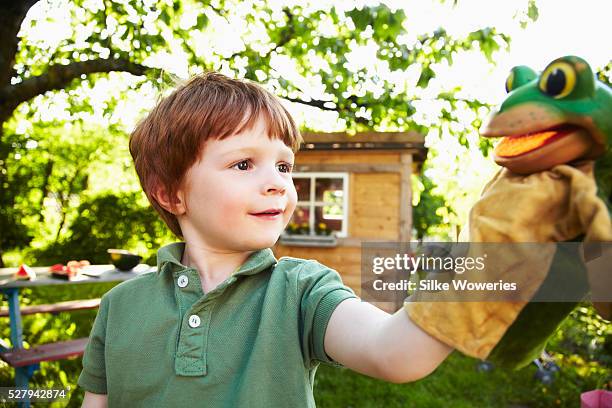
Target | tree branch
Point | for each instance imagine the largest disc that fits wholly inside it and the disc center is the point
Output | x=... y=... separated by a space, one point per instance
x=63 y=200
x=321 y=105
x=12 y=14
x=313 y=102
x=58 y=77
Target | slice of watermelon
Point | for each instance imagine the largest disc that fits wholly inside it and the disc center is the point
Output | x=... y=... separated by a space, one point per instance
x=25 y=273
x=57 y=268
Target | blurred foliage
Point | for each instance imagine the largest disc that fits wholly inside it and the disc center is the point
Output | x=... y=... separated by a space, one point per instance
x=585 y=336
x=14 y=232
x=531 y=14
x=66 y=180
x=107 y=221
x=605 y=74
x=428 y=207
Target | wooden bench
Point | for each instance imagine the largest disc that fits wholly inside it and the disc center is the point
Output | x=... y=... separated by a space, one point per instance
x=68 y=306
x=51 y=351
x=45 y=352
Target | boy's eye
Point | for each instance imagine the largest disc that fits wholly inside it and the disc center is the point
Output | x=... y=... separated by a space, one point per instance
x=242 y=165
x=285 y=167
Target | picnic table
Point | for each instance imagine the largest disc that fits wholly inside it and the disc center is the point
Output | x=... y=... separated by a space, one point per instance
x=26 y=361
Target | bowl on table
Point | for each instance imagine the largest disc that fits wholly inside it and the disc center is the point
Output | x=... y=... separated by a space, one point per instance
x=123 y=259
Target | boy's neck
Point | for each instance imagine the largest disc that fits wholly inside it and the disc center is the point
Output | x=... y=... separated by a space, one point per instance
x=213 y=266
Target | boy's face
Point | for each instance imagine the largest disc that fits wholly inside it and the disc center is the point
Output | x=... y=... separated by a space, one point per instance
x=240 y=195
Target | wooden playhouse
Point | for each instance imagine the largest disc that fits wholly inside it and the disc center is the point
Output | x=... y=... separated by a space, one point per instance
x=351 y=189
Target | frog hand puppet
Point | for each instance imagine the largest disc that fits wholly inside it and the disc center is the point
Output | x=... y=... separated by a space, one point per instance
x=555 y=185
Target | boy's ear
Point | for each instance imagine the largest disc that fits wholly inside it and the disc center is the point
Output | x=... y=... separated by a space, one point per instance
x=174 y=205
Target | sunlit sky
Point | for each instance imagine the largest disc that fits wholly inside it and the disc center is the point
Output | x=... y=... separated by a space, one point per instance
x=564 y=27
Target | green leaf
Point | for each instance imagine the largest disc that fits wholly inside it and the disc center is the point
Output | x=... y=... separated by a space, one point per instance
x=361 y=18
x=202 y=21
x=532 y=11
x=426 y=75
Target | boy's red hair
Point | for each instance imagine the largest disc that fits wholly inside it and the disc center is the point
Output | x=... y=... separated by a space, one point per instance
x=169 y=140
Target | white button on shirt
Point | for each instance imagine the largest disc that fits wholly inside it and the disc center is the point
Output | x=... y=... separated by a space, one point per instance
x=182 y=281
x=194 y=321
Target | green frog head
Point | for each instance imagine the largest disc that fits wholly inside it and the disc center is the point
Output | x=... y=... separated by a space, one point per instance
x=560 y=116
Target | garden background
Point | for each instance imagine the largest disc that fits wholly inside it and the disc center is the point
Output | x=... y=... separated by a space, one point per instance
x=75 y=76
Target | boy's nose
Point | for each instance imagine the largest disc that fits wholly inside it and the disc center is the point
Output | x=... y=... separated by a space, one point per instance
x=275 y=188
x=274 y=183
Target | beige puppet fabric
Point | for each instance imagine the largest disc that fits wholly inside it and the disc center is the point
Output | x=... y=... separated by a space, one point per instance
x=550 y=206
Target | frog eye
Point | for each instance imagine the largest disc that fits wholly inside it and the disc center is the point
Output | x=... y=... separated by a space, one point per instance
x=519 y=76
x=558 y=79
x=510 y=82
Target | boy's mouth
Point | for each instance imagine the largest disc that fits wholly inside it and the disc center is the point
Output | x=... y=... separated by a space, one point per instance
x=271 y=213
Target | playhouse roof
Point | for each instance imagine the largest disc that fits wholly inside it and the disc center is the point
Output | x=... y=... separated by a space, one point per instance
x=412 y=142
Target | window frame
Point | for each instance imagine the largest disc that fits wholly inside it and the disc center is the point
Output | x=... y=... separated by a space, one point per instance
x=312 y=203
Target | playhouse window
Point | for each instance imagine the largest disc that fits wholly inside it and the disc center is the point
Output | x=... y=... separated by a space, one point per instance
x=322 y=204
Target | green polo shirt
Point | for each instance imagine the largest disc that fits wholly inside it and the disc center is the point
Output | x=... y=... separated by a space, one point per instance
x=256 y=340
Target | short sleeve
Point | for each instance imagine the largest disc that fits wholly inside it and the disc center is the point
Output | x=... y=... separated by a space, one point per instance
x=321 y=291
x=93 y=375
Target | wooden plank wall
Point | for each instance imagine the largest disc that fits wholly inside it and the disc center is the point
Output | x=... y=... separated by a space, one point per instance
x=374 y=206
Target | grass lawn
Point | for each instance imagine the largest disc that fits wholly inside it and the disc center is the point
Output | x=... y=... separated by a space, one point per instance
x=457 y=383
x=582 y=347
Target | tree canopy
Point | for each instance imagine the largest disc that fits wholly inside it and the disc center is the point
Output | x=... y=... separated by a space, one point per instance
x=356 y=61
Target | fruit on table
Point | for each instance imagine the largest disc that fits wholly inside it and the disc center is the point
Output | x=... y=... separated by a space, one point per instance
x=25 y=273
x=70 y=270
x=57 y=268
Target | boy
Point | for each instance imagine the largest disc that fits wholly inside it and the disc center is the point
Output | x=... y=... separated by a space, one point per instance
x=222 y=322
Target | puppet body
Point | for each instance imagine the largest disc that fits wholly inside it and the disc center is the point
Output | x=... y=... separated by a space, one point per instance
x=562 y=116
x=556 y=186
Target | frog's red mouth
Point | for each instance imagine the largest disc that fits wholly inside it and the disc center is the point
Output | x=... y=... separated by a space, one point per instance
x=517 y=145
x=539 y=137
x=542 y=150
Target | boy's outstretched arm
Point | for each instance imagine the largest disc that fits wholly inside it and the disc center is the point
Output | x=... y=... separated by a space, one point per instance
x=389 y=347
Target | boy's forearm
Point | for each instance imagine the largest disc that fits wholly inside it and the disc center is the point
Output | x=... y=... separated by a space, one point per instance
x=407 y=353
x=370 y=341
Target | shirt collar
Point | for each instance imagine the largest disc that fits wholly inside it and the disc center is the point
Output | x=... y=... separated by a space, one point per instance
x=173 y=253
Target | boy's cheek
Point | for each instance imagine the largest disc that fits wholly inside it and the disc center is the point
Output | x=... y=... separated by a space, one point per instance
x=288 y=216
